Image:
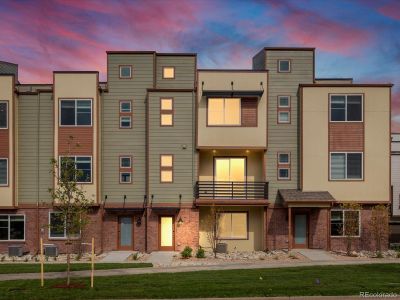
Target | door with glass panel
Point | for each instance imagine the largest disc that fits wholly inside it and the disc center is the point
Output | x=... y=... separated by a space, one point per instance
x=300 y=231
x=166 y=233
x=229 y=177
x=125 y=233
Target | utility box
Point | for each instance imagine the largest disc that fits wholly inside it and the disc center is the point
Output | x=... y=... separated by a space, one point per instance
x=222 y=248
x=51 y=250
x=15 y=250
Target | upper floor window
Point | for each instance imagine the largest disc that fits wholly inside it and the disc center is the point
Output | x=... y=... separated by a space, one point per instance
x=125 y=162
x=125 y=106
x=283 y=101
x=346 y=165
x=168 y=72
x=125 y=122
x=125 y=71
x=166 y=168
x=12 y=227
x=283 y=109
x=3 y=115
x=167 y=112
x=346 y=108
x=284 y=166
x=224 y=112
x=3 y=171
x=82 y=164
x=284 y=65
x=76 y=113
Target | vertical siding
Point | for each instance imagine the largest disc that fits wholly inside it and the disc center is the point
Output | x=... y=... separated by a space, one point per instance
x=35 y=134
x=115 y=141
x=285 y=137
x=184 y=71
x=170 y=140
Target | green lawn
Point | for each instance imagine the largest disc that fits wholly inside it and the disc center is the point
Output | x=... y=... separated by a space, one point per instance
x=334 y=280
x=35 y=268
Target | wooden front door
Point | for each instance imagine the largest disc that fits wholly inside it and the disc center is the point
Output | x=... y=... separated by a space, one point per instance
x=125 y=233
x=166 y=231
x=300 y=237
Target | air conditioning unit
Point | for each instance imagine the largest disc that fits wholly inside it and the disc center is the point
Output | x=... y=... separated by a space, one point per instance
x=222 y=248
x=50 y=250
x=15 y=250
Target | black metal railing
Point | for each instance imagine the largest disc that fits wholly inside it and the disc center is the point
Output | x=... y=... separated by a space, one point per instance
x=231 y=190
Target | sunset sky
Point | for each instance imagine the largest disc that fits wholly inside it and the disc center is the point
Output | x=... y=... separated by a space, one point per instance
x=359 y=39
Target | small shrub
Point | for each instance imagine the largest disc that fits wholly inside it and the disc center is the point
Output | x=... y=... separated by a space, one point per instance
x=3 y=258
x=36 y=259
x=200 y=253
x=398 y=254
x=379 y=254
x=78 y=257
x=187 y=252
x=26 y=259
x=47 y=258
x=292 y=256
x=55 y=258
x=135 y=256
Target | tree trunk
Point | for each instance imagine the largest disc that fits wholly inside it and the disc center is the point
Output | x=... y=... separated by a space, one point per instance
x=68 y=263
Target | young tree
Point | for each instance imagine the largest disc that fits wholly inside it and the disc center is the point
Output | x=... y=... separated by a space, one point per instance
x=70 y=200
x=212 y=227
x=351 y=223
x=379 y=225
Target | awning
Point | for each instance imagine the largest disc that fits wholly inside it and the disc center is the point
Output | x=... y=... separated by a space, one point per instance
x=232 y=94
x=297 y=198
x=110 y=207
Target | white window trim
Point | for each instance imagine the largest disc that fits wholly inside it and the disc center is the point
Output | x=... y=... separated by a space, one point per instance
x=225 y=124
x=359 y=223
x=279 y=66
x=125 y=172
x=76 y=112
x=9 y=227
x=284 y=168
x=130 y=122
x=279 y=117
x=284 y=106
x=7 y=114
x=345 y=108
x=75 y=156
x=65 y=231
x=120 y=162
x=284 y=163
x=7 y=173
x=125 y=101
x=120 y=72
x=345 y=166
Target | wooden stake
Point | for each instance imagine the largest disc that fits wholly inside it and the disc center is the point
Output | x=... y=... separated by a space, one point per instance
x=41 y=263
x=92 y=273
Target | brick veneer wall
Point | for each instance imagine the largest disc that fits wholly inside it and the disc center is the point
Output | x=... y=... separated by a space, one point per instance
x=277 y=228
x=318 y=229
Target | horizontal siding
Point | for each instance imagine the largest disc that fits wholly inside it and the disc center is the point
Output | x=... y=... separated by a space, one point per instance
x=396 y=184
x=184 y=71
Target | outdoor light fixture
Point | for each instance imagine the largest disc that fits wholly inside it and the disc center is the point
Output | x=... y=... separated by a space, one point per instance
x=180 y=221
x=139 y=221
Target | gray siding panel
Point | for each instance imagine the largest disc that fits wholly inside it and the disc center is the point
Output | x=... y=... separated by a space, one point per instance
x=184 y=71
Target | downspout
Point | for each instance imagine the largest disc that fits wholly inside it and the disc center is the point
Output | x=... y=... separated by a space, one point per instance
x=147 y=172
x=38 y=174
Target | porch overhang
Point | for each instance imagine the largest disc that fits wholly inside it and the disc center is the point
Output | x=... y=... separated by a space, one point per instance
x=297 y=198
x=230 y=202
x=232 y=93
x=124 y=208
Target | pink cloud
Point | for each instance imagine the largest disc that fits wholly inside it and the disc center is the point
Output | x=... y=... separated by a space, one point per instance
x=391 y=10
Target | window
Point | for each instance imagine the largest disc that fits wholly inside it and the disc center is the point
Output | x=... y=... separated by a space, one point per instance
x=283 y=109
x=346 y=108
x=167 y=112
x=3 y=115
x=283 y=101
x=125 y=72
x=283 y=166
x=58 y=228
x=83 y=164
x=224 y=111
x=76 y=113
x=125 y=162
x=125 y=122
x=284 y=158
x=232 y=225
x=168 y=72
x=284 y=117
x=125 y=169
x=283 y=173
x=125 y=106
x=12 y=227
x=345 y=223
x=166 y=168
x=3 y=171
x=346 y=166
x=284 y=65
x=125 y=177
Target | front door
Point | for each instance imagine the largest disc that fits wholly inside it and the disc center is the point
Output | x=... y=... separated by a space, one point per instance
x=125 y=233
x=166 y=230
x=300 y=231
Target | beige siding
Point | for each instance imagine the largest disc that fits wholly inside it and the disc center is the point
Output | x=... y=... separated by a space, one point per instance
x=396 y=173
x=184 y=71
x=259 y=61
x=284 y=137
x=172 y=140
x=376 y=183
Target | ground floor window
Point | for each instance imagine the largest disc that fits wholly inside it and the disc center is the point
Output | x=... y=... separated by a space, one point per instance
x=345 y=223
x=58 y=228
x=233 y=225
x=12 y=227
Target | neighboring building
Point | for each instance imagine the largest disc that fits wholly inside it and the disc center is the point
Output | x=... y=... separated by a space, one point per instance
x=395 y=219
x=161 y=142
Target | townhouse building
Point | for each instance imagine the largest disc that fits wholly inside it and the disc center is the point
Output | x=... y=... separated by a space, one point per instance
x=161 y=143
x=395 y=216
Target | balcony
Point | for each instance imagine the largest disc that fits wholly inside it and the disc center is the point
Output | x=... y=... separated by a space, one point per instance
x=231 y=192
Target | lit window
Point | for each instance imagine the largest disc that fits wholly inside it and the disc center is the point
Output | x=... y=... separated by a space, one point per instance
x=125 y=71
x=3 y=115
x=284 y=117
x=284 y=65
x=346 y=108
x=125 y=122
x=76 y=112
x=125 y=162
x=168 y=72
x=167 y=112
x=76 y=167
x=346 y=166
x=3 y=171
x=224 y=111
x=12 y=227
x=125 y=107
x=232 y=225
x=166 y=168
x=345 y=223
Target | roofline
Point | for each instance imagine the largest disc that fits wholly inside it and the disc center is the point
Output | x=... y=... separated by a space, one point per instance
x=289 y=48
x=170 y=90
x=176 y=54
x=75 y=72
x=335 y=78
x=346 y=85
x=19 y=84
x=232 y=70
x=130 y=52
x=7 y=74
x=7 y=62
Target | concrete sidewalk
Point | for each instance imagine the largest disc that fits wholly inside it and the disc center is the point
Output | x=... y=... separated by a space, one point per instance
x=137 y=271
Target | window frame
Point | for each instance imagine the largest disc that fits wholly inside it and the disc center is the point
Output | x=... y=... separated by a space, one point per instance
x=9 y=228
x=65 y=230
x=289 y=101
x=167 y=168
x=75 y=156
x=345 y=153
x=7 y=114
x=120 y=69
x=247 y=226
x=345 y=107
x=76 y=111
x=279 y=65
x=167 y=111
x=168 y=67
x=224 y=125
x=120 y=106
x=344 y=223
x=130 y=161
x=279 y=117
x=286 y=166
x=120 y=122
x=7 y=172
x=125 y=172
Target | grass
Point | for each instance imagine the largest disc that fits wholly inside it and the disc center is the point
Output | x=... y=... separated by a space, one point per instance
x=298 y=281
x=6 y=268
